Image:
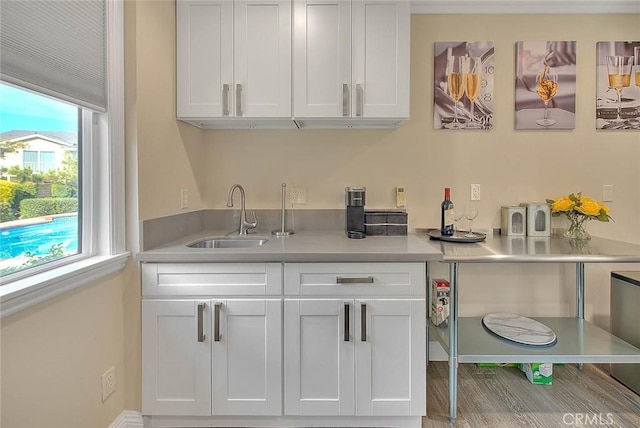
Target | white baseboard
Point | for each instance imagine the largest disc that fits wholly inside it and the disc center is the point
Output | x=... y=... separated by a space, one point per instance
x=128 y=419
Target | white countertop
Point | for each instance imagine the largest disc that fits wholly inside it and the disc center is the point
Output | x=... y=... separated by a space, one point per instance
x=303 y=246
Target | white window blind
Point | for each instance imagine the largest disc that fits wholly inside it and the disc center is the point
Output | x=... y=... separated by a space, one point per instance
x=56 y=47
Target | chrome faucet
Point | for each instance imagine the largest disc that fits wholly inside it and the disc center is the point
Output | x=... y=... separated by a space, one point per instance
x=244 y=224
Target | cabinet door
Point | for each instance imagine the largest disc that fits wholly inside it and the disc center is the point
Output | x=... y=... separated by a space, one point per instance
x=322 y=58
x=380 y=58
x=319 y=357
x=247 y=355
x=204 y=44
x=176 y=358
x=262 y=63
x=390 y=357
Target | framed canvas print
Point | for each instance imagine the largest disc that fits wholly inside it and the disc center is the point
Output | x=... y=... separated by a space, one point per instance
x=463 y=85
x=545 y=87
x=618 y=85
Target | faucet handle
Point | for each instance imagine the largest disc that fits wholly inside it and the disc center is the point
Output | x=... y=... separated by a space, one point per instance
x=253 y=224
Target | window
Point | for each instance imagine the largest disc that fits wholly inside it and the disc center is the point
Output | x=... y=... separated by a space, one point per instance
x=39 y=199
x=73 y=174
x=29 y=157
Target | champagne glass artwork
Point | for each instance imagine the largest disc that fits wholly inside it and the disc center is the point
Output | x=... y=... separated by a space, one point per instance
x=455 y=85
x=470 y=212
x=546 y=87
x=636 y=61
x=619 y=70
x=472 y=87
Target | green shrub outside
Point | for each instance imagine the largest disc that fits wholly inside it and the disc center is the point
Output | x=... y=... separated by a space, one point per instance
x=13 y=193
x=62 y=190
x=7 y=191
x=37 y=207
x=6 y=212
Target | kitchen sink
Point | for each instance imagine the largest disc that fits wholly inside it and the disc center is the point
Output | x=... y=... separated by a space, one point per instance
x=228 y=242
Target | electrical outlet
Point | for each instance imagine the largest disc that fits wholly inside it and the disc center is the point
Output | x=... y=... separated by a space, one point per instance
x=607 y=193
x=475 y=192
x=298 y=195
x=401 y=200
x=108 y=383
x=184 y=199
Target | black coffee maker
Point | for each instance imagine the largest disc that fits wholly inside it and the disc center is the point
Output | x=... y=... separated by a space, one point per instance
x=355 y=200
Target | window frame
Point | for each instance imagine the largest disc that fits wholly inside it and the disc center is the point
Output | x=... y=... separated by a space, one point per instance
x=103 y=199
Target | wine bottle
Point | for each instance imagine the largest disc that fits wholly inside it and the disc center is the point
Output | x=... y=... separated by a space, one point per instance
x=446 y=214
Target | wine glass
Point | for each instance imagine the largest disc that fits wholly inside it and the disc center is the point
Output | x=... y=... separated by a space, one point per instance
x=619 y=70
x=470 y=212
x=457 y=216
x=472 y=87
x=546 y=87
x=455 y=85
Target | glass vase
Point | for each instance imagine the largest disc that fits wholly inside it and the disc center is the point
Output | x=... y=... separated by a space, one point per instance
x=577 y=227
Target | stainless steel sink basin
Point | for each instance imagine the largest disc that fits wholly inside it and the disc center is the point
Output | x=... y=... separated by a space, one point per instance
x=228 y=242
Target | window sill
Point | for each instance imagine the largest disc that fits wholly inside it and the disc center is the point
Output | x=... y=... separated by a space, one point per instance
x=38 y=288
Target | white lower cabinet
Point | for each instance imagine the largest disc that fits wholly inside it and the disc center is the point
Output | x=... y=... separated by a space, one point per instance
x=355 y=357
x=247 y=357
x=220 y=357
x=319 y=357
x=176 y=365
x=337 y=347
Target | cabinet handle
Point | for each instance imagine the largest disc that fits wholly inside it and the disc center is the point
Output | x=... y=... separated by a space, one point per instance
x=239 y=100
x=360 y=100
x=346 y=322
x=363 y=322
x=201 y=335
x=216 y=322
x=362 y=280
x=345 y=99
x=225 y=99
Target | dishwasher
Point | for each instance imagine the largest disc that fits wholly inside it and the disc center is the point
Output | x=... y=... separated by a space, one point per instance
x=625 y=319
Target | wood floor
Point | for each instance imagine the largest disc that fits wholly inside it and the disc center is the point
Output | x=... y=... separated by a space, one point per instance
x=502 y=397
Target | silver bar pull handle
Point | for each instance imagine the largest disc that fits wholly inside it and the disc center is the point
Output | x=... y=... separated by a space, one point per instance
x=225 y=99
x=239 y=100
x=345 y=99
x=346 y=322
x=201 y=335
x=360 y=100
x=216 y=322
x=362 y=280
x=363 y=322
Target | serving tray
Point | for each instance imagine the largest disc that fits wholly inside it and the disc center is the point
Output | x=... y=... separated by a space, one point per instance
x=459 y=236
x=519 y=329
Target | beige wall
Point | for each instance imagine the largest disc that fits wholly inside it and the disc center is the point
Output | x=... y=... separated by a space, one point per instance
x=53 y=356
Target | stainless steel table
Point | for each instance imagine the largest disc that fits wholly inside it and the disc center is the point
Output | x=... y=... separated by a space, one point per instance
x=579 y=341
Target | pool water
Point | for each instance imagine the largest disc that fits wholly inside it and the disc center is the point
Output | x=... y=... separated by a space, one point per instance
x=37 y=239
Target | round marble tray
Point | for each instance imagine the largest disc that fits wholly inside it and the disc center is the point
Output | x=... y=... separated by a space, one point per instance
x=519 y=329
x=458 y=236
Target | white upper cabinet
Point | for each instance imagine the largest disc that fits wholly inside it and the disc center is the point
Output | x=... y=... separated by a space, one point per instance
x=351 y=60
x=344 y=63
x=234 y=61
x=322 y=58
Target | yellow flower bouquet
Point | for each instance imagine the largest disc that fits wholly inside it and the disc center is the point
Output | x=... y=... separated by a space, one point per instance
x=579 y=210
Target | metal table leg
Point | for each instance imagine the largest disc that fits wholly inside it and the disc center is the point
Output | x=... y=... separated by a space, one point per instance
x=580 y=295
x=453 y=342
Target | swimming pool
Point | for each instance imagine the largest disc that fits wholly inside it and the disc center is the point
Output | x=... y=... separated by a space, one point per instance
x=38 y=238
